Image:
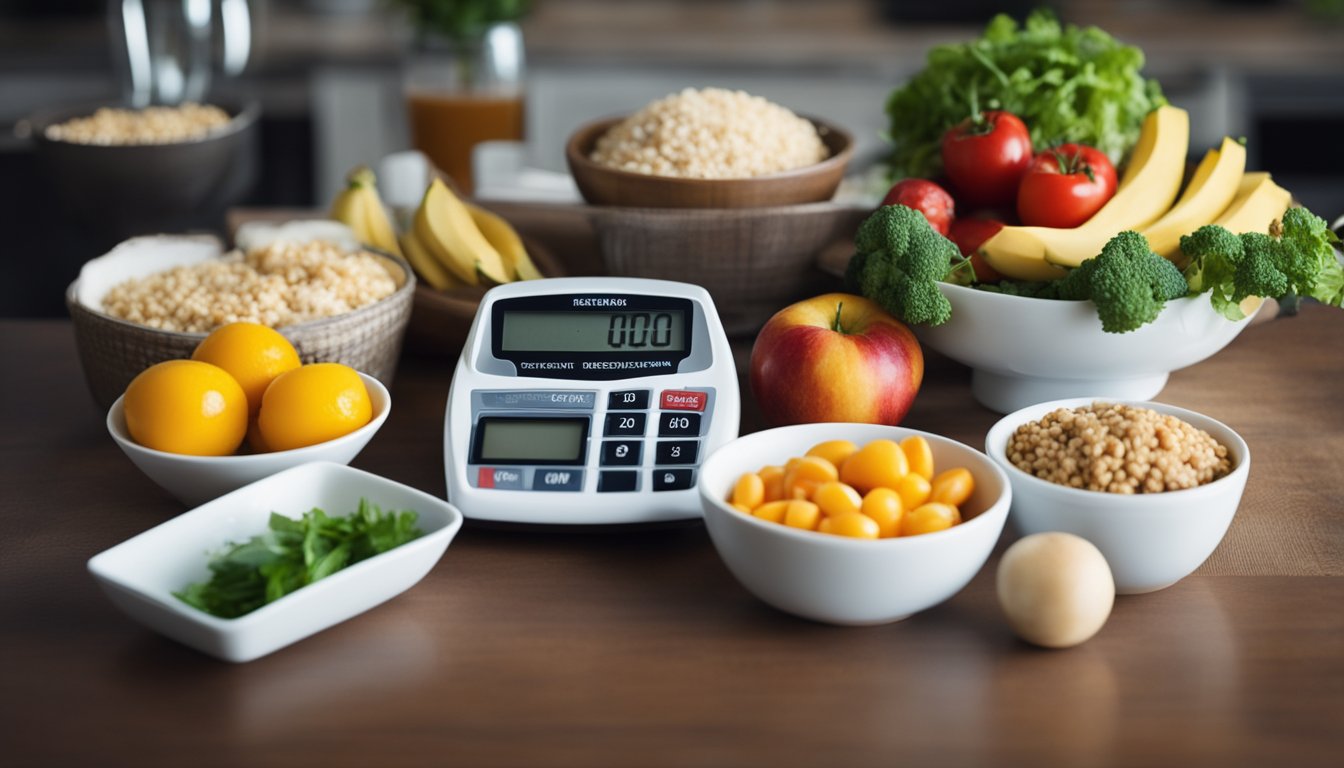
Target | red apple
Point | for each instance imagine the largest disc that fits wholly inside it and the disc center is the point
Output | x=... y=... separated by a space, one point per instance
x=836 y=357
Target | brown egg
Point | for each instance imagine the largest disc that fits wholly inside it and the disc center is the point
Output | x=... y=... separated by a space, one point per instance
x=1055 y=588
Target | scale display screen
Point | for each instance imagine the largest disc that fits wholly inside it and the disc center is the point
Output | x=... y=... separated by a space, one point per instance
x=531 y=441
x=656 y=331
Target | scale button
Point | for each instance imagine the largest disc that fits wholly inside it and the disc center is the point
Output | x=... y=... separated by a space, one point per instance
x=625 y=425
x=677 y=452
x=673 y=479
x=683 y=400
x=617 y=481
x=557 y=479
x=501 y=478
x=628 y=400
x=679 y=424
x=621 y=453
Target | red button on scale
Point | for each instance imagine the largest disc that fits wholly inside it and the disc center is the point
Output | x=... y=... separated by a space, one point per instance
x=684 y=400
x=485 y=477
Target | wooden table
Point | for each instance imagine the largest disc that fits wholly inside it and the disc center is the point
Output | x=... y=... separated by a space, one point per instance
x=637 y=647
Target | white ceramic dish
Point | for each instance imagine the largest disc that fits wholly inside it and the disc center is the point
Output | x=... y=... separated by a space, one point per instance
x=195 y=479
x=1025 y=351
x=1150 y=540
x=141 y=574
x=840 y=580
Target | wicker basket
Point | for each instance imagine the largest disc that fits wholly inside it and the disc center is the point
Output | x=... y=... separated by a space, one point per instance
x=114 y=351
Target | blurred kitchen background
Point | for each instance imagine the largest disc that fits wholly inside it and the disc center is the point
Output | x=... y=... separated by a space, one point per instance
x=329 y=78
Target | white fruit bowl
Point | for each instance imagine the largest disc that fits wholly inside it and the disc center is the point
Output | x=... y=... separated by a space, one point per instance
x=1150 y=540
x=141 y=574
x=840 y=580
x=1025 y=351
x=195 y=479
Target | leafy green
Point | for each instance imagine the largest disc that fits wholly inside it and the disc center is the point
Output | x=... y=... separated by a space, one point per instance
x=462 y=20
x=1068 y=84
x=1295 y=259
x=899 y=261
x=294 y=553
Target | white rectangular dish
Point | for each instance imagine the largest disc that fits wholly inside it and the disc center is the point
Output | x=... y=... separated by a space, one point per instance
x=141 y=574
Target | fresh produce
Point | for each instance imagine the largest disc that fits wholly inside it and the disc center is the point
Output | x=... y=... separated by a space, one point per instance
x=188 y=407
x=1128 y=283
x=878 y=491
x=985 y=155
x=293 y=554
x=1056 y=589
x=836 y=357
x=444 y=226
x=1209 y=193
x=926 y=197
x=1258 y=203
x=900 y=260
x=1065 y=186
x=313 y=404
x=359 y=207
x=968 y=234
x=252 y=353
x=1068 y=84
x=1297 y=259
x=1145 y=193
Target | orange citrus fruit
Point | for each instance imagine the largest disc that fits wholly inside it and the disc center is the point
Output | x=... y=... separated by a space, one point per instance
x=252 y=353
x=313 y=404
x=186 y=406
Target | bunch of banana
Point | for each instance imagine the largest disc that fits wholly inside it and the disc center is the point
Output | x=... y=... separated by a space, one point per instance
x=457 y=243
x=359 y=207
x=1220 y=191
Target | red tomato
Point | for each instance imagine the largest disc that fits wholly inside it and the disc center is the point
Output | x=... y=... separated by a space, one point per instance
x=986 y=158
x=969 y=235
x=1065 y=186
x=926 y=197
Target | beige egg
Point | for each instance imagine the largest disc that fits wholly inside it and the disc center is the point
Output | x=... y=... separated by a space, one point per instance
x=1055 y=588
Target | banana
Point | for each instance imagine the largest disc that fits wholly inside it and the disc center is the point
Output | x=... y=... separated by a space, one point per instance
x=1210 y=191
x=360 y=207
x=425 y=265
x=445 y=227
x=517 y=264
x=1258 y=203
x=1145 y=193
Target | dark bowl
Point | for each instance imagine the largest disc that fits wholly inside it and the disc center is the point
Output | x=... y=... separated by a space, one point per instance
x=123 y=190
x=602 y=185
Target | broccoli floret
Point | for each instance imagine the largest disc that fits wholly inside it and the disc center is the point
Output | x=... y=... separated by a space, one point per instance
x=1130 y=284
x=899 y=261
x=1295 y=258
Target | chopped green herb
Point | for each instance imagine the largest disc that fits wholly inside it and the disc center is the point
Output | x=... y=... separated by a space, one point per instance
x=294 y=554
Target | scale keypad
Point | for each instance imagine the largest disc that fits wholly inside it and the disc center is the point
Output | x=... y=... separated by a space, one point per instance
x=631 y=454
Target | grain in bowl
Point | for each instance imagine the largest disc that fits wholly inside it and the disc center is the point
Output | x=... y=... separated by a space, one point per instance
x=1117 y=448
x=712 y=133
x=152 y=125
x=279 y=284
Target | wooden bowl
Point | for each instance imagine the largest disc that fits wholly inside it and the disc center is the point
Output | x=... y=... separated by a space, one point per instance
x=603 y=185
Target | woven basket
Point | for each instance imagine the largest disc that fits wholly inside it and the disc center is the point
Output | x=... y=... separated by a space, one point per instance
x=114 y=351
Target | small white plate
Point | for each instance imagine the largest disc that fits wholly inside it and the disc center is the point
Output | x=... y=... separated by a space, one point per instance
x=141 y=574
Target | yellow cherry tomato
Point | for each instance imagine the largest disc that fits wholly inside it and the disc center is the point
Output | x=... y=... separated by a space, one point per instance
x=749 y=491
x=919 y=454
x=805 y=474
x=834 y=451
x=853 y=524
x=836 y=498
x=885 y=508
x=802 y=514
x=879 y=464
x=953 y=486
x=914 y=490
x=929 y=518
x=771 y=511
x=772 y=476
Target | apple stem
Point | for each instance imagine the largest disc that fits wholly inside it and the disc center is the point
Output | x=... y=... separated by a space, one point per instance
x=836 y=326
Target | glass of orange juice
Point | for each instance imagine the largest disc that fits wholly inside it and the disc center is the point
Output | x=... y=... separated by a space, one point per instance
x=460 y=93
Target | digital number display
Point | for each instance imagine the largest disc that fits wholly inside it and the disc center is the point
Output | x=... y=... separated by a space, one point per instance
x=625 y=331
x=532 y=441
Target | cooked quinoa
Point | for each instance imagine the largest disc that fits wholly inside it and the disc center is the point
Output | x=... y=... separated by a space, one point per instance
x=152 y=125
x=1117 y=449
x=281 y=284
x=711 y=134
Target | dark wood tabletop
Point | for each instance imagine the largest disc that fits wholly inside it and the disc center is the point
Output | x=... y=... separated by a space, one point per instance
x=638 y=648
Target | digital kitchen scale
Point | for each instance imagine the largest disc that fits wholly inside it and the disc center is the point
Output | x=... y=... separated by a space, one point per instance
x=588 y=400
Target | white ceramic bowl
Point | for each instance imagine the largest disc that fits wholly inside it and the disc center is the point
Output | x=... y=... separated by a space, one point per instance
x=195 y=479
x=840 y=580
x=141 y=574
x=1024 y=351
x=1150 y=540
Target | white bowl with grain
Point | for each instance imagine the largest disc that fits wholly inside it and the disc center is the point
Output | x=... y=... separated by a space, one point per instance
x=1151 y=540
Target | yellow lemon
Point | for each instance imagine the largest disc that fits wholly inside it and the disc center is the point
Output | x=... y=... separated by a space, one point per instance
x=186 y=406
x=252 y=353
x=313 y=404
